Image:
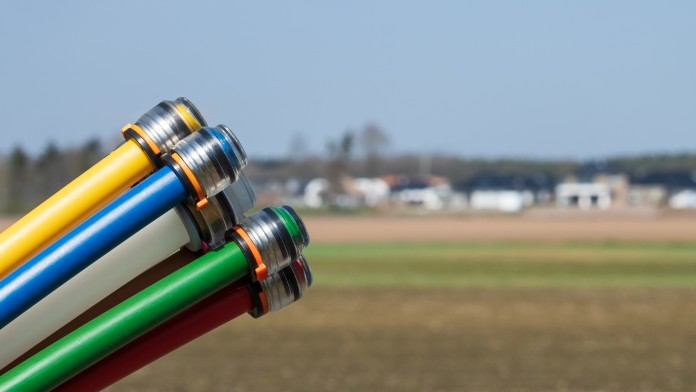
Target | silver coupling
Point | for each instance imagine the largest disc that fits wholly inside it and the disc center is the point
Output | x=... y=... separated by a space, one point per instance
x=284 y=288
x=208 y=226
x=163 y=126
x=208 y=161
x=271 y=239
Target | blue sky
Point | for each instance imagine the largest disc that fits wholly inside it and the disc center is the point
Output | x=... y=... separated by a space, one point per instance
x=490 y=78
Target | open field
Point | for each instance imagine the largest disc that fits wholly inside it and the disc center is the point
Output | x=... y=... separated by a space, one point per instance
x=501 y=228
x=467 y=304
x=514 y=316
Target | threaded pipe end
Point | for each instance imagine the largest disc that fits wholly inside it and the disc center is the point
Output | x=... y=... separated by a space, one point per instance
x=170 y=122
x=287 y=286
x=214 y=157
x=278 y=235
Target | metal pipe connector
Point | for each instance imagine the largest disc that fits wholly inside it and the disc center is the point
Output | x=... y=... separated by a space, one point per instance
x=273 y=238
x=284 y=288
x=209 y=225
x=163 y=126
x=208 y=161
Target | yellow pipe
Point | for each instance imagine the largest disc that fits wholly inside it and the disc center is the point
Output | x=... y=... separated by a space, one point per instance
x=80 y=199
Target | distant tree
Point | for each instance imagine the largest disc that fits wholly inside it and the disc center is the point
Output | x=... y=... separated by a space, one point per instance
x=90 y=153
x=373 y=141
x=18 y=180
x=298 y=147
x=342 y=150
x=3 y=185
x=51 y=172
x=340 y=153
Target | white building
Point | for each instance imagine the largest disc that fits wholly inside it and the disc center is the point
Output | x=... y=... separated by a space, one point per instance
x=359 y=192
x=685 y=199
x=433 y=198
x=583 y=195
x=501 y=200
x=374 y=190
x=314 y=192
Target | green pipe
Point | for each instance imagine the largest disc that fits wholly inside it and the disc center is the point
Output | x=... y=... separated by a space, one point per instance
x=128 y=320
x=153 y=306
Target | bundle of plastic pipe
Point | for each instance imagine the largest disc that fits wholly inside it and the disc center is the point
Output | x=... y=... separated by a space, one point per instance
x=175 y=229
x=273 y=294
x=154 y=134
x=196 y=197
x=200 y=166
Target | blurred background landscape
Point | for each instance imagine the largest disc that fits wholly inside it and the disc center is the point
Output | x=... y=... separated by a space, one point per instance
x=502 y=197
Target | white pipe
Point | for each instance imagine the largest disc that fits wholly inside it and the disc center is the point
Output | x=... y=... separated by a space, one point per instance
x=159 y=240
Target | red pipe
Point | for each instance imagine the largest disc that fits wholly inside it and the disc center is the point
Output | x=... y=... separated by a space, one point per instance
x=216 y=310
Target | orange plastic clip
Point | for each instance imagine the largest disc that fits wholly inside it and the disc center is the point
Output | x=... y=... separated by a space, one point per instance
x=202 y=200
x=261 y=271
x=264 y=301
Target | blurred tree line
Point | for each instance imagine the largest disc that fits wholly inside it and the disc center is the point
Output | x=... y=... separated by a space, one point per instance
x=458 y=170
x=365 y=153
x=641 y=165
x=26 y=181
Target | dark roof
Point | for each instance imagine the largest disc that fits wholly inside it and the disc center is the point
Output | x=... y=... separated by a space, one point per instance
x=588 y=170
x=402 y=186
x=534 y=182
x=670 y=179
x=398 y=183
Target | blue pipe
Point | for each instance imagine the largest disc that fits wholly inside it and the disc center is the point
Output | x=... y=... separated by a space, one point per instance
x=88 y=242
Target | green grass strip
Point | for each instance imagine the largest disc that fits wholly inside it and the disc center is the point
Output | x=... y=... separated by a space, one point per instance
x=533 y=264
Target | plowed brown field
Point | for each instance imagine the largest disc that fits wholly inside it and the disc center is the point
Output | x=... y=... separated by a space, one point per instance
x=446 y=340
x=391 y=229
